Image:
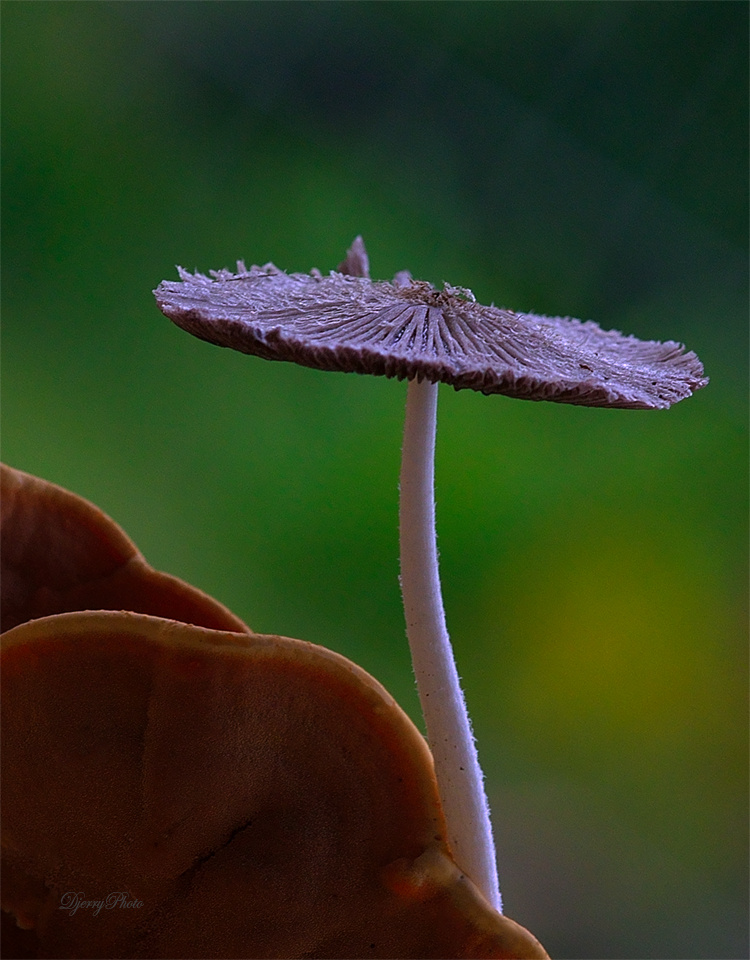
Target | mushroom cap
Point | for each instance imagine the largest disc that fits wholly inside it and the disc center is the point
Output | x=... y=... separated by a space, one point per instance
x=409 y=329
x=60 y=553
x=257 y=796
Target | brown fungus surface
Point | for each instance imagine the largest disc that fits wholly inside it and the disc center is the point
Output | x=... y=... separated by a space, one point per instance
x=61 y=553
x=249 y=796
x=409 y=329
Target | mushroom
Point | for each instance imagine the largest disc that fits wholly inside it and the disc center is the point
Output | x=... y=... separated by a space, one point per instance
x=174 y=791
x=410 y=330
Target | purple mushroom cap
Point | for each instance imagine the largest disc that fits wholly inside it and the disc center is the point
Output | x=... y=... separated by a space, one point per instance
x=409 y=329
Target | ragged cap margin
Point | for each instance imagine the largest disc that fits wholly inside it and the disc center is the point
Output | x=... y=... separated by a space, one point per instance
x=409 y=329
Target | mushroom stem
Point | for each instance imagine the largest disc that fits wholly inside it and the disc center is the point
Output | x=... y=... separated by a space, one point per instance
x=459 y=776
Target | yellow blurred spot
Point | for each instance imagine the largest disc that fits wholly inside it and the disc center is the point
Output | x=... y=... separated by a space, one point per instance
x=626 y=637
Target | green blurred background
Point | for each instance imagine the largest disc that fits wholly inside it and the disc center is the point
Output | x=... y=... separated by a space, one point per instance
x=569 y=158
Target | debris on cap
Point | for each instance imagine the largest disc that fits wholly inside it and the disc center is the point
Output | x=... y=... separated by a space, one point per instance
x=409 y=329
x=356 y=263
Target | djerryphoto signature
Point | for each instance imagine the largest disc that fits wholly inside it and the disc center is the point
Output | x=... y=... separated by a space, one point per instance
x=73 y=902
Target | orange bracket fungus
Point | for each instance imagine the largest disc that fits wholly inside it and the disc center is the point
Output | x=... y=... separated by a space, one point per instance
x=61 y=553
x=177 y=786
x=410 y=330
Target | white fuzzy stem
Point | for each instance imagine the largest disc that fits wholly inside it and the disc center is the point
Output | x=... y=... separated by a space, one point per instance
x=459 y=776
